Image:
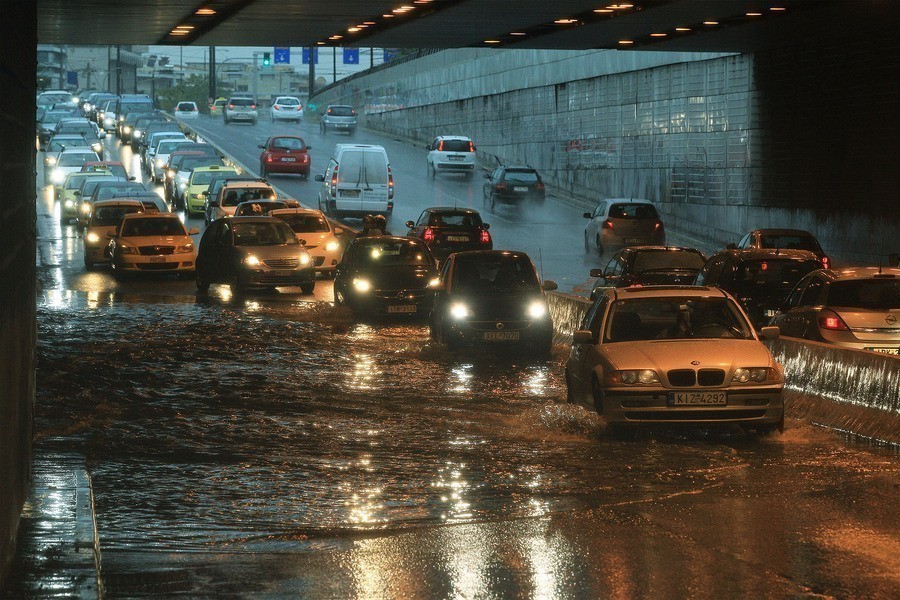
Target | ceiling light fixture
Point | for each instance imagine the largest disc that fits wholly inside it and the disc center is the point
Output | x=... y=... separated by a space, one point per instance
x=205 y=12
x=658 y=34
x=626 y=42
x=518 y=33
x=777 y=8
x=188 y=27
x=603 y=10
x=388 y=16
x=491 y=41
x=682 y=29
x=369 y=23
x=335 y=37
x=179 y=32
x=754 y=14
x=352 y=29
x=710 y=22
x=565 y=21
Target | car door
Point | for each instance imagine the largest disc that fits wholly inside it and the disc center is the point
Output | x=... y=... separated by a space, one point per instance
x=344 y=270
x=803 y=318
x=583 y=357
x=610 y=275
x=596 y=221
x=222 y=264
x=442 y=296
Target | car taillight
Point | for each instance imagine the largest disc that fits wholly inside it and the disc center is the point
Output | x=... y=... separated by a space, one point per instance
x=828 y=319
x=353 y=113
x=658 y=226
x=253 y=106
x=607 y=224
x=471 y=147
x=231 y=106
x=334 y=182
x=441 y=146
x=276 y=107
x=269 y=156
x=539 y=186
x=390 y=183
x=428 y=235
x=500 y=186
x=826 y=262
x=485 y=237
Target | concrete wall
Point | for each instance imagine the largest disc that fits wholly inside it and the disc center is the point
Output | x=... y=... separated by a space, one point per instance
x=803 y=137
x=17 y=268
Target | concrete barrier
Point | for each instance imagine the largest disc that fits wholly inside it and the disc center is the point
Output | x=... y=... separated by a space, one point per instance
x=856 y=391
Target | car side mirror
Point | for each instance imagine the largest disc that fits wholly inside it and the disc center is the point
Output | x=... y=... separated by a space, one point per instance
x=549 y=285
x=731 y=246
x=77 y=193
x=261 y=147
x=769 y=333
x=596 y=272
x=205 y=193
x=582 y=336
x=338 y=231
x=485 y=226
x=193 y=231
x=410 y=224
x=308 y=147
x=586 y=215
x=319 y=178
x=132 y=178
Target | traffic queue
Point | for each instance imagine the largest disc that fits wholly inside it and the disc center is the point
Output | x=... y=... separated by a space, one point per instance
x=670 y=336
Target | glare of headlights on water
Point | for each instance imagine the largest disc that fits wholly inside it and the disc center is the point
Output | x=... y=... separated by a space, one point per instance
x=451 y=483
x=536 y=382
x=363 y=373
x=461 y=381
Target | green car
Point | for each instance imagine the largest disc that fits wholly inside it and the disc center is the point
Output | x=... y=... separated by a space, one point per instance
x=195 y=200
x=67 y=197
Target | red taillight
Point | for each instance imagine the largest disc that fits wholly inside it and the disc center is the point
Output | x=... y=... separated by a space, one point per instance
x=276 y=107
x=231 y=106
x=539 y=186
x=764 y=266
x=353 y=112
x=607 y=224
x=658 y=226
x=828 y=319
x=428 y=235
x=500 y=186
x=485 y=237
x=471 y=147
x=269 y=156
x=329 y=111
x=253 y=106
x=334 y=182
x=826 y=262
x=441 y=146
x=390 y=184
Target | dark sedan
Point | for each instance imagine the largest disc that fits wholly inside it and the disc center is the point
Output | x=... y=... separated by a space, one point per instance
x=447 y=230
x=492 y=297
x=386 y=275
x=513 y=185
x=648 y=265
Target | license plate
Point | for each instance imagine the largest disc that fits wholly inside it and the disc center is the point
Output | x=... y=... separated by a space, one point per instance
x=769 y=312
x=281 y=273
x=455 y=157
x=894 y=351
x=633 y=240
x=341 y=125
x=349 y=193
x=698 y=398
x=457 y=238
x=402 y=308
x=158 y=259
x=288 y=160
x=520 y=189
x=501 y=336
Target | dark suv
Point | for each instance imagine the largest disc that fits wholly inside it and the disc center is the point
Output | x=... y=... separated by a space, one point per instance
x=759 y=279
x=512 y=185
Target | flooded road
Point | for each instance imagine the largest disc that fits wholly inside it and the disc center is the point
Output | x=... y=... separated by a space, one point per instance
x=271 y=446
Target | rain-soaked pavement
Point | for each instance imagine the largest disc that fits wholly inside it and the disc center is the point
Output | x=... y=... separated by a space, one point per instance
x=271 y=446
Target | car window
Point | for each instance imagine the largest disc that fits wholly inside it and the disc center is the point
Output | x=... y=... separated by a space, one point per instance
x=341 y=111
x=811 y=294
x=666 y=260
x=392 y=253
x=152 y=227
x=594 y=317
x=793 y=298
x=287 y=102
x=186 y=106
x=236 y=196
x=108 y=191
x=745 y=242
x=711 y=270
x=263 y=233
x=109 y=216
x=288 y=143
x=768 y=275
x=375 y=168
x=461 y=220
x=456 y=146
x=495 y=273
x=351 y=167
x=74 y=160
x=633 y=211
x=641 y=319
x=167 y=147
x=305 y=223
x=242 y=102
x=789 y=242
x=873 y=294
x=521 y=176
x=206 y=177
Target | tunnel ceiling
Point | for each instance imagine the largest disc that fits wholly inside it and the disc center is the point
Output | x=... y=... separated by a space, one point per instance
x=706 y=25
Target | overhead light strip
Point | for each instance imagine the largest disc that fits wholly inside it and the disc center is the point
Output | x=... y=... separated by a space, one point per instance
x=402 y=13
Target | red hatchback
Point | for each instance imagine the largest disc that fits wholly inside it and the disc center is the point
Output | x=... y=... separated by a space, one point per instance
x=284 y=154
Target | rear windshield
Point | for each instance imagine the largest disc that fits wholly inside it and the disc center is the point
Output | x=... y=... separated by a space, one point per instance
x=462 y=220
x=455 y=146
x=877 y=294
x=675 y=318
x=108 y=216
x=304 y=223
x=633 y=211
x=770 y=274
x=495 y=273
x=667 y=260
x=790 y=242
x=358 y=166
x=53 y=98
x=287 y=102
x=265 y=233
x=522 y=176
x=235 y=197
x=242 y=102
x=74 y=160
x=152 y=226
x=287 y=143
x=108 y=191
x=206 y=177
x=341 y=111
x=186 y=106
x=386 y=254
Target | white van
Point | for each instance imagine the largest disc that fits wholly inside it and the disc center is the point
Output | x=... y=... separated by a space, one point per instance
x=357 y=182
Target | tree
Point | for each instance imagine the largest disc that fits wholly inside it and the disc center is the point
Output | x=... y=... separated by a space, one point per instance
x=193 y=89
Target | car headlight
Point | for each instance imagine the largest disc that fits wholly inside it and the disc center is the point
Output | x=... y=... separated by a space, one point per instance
x=460 y=311
x=170 y=173
x=160 y=163
x=362 y=285
x=137 y=133
x=126 y=129
x=122 y=118
x=57 y=177
x=123 y=249
x=435 y=281
x=97 y=147
x=92 y=238
x=86 y=207
x=189 y=247
x=749 y=374
x=304 y=259
x=182 y=186
x=536 y=309
x=332 y=246
x=76 y=99
x=251 y=261
x=51 y=160
x=635 y=377
x=70 y=204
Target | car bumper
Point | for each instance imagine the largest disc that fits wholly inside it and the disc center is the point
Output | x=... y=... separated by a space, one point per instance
x=241 y=116
x=324 y=260
x=611 y=240
x=513 y=198
x=287 y=116
x=277 y=166
x=762 y=406
x=340 y=126
x=171 y=263
x=534 y=334
x=455 y=166
x=389 y=304
x=96 y=252
x=276 y=277
x=196 y=205
x=885 y=344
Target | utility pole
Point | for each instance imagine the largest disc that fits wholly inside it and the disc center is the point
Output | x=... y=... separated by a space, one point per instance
x=333 y=65
x=212 y=74
x=371 y=57
x=312 y=70
x=118 y=69
x=255 y=77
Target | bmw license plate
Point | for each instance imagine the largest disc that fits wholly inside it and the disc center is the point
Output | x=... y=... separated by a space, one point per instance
x=894 y=351
x=698 y=398
x=288 y=159
x=501 y=336
x=402 y=308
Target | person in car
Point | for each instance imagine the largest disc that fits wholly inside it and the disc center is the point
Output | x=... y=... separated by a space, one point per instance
x=368 y=226
x=381 y=224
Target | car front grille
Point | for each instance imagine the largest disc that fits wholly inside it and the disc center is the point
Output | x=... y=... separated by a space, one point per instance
x=682 y=377
x=282 y=263
x=157 y=266
x=690 y=378
x=400 y=294
x=710 y=377
x=492 y=325
x=156 y=250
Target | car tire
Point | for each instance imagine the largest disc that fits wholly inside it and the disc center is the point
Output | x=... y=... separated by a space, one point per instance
x=433 y=170
x=597 y=395
x=201 y=280
x=570 y=393
x=587 y=245
x=237 y=289
x=226 y=121
x=308 y=288
x=262 y=171
x=493 y=202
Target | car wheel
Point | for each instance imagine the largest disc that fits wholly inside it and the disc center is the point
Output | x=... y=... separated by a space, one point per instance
x=570 y=393
x=226 y=121
x=587 y=245
x=201 y=280
x=597 y=395
x=237 y=288
x=493 y=202
x=432 y=170
x=308 y=288
x=262 y=171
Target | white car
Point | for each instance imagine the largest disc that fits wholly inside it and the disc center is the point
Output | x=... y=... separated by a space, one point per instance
x=623 y=222
x=233 y=193
x=286 y=108
x=152 y=243
x=161 y=157
x=70 y=161
x=451 y=154
x=152 y=141
x=186 y=110
x=316 y=233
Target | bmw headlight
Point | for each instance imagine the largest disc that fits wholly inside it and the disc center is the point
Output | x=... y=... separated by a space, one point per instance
x=639 y=377
x=537 y=309
x=749 y=374
x=460 y=311
x=362 y=285
x=92 y=238
x=189 y=247
x=332 y=246
x=251 y=261
x=304 y=259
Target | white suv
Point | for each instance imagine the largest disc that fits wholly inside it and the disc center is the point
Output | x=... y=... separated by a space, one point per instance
x=286 y=108
x=451 y=154
x=240 y=109
x=186 y=110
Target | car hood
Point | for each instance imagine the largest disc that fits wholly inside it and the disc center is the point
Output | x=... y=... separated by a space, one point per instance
x=316 y=238
x=398 y=277
x=664 y=355
x=270 y=252
x=156 y=240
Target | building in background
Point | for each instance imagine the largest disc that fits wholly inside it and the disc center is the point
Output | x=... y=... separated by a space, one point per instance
x=51 y=67
x=112 y=68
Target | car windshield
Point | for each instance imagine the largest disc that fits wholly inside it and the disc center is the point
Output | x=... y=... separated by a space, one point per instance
x=392 y=253
x=235 y=197
x=633 y=211
x=287 y=143
x=495 y=273
x=789 y=242
x=75 y=160
x=522 y=176
x=188 y=163
x=167 y=147
x=263 y=233
x=455 y=146
x=74 y=181
x=258 y=208
x=340 y=111
x=89 y=185
x=874 y=294
x=206 y=177
x=110 y=216
x=152 y=227
x=461 y=220
x=118 y=170
x=186 y=106
x=674 y=319
x=105 y=192
x=57 y=145
x=667 y=260
x=287 y=102
x=305 y=223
